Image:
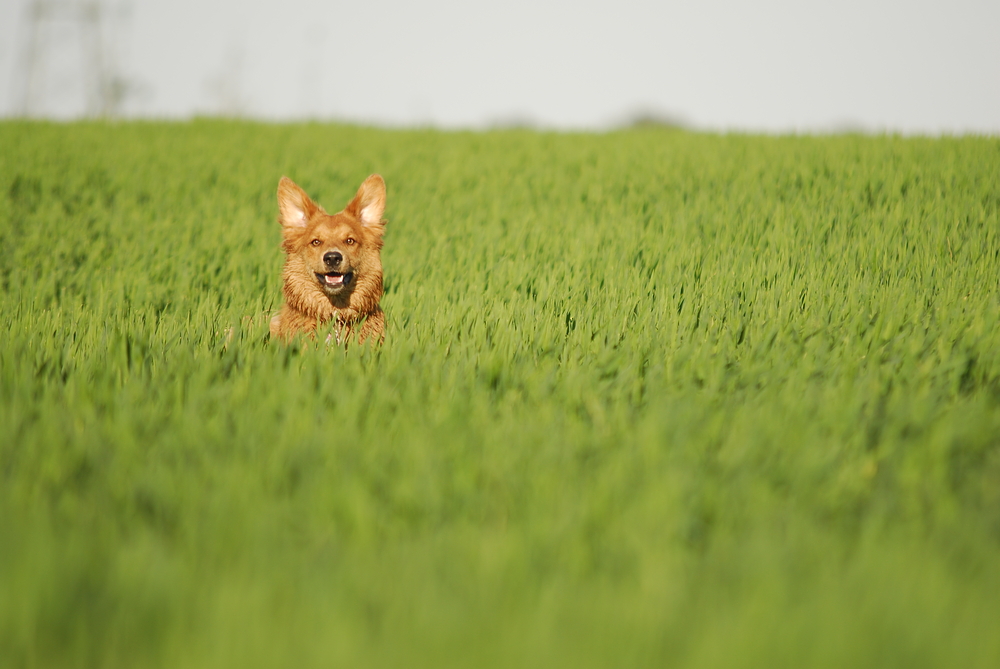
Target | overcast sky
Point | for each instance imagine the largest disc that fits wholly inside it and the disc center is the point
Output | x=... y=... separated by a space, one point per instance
x=772 y=65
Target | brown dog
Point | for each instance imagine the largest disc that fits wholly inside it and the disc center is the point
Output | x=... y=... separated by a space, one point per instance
x=333 y=270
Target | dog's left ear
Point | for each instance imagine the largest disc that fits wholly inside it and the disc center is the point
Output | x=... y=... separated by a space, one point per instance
x=369 y=204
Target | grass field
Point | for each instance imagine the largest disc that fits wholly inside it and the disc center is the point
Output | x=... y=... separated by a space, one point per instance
x=648 y=398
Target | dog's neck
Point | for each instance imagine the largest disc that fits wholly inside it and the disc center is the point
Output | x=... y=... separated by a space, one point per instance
x=345 y=308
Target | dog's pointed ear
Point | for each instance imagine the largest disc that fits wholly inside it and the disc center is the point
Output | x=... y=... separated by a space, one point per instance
x=369 y=203
x=294 y=206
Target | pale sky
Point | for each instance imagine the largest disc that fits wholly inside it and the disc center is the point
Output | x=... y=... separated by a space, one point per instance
x=771 y=66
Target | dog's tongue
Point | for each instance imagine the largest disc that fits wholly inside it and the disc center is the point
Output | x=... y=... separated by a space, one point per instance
x=334 y=279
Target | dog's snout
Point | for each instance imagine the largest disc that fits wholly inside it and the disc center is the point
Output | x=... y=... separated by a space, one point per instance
x=333 y=258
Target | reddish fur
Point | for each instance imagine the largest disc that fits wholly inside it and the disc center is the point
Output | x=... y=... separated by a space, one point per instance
x=307 y=304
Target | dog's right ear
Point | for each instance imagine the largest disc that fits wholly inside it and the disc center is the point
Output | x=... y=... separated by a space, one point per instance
x=294 y=206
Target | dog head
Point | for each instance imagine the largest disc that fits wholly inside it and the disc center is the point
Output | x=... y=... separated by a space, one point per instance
x=338 y=250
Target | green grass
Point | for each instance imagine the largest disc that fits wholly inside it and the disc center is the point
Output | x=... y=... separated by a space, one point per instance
x=648 y=398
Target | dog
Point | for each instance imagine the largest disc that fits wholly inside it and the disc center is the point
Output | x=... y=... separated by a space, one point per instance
x=333 y=266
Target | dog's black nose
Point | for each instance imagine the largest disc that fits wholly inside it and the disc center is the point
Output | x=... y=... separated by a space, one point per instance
x=332 y=258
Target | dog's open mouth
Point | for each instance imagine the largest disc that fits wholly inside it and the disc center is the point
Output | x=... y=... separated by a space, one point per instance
x=335 y=279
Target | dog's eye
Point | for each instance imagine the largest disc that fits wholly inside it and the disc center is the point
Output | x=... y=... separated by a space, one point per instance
x=315 y=242
x=350 y=241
